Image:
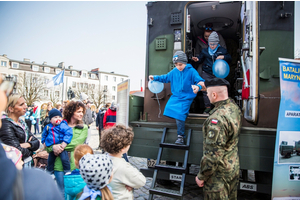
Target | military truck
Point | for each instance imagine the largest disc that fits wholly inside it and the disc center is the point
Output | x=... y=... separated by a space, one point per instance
x=285 y=149
x=297 y=147
x=256 y=35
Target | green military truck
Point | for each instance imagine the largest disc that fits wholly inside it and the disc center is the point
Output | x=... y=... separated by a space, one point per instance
x=256 y=35
x=285 y=149
x=297 y=147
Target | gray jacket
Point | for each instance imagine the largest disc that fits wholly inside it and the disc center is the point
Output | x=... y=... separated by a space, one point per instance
x=88 y=118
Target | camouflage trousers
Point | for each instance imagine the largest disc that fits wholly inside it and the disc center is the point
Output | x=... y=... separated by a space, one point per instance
x=216 y=188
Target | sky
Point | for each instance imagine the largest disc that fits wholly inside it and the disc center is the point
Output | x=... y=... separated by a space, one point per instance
x=107 y=35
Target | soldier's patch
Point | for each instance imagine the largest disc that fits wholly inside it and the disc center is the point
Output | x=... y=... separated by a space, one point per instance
x=214 y=121
x=211 y=134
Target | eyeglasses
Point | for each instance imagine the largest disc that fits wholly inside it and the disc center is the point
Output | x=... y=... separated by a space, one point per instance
x=213 y=44
x=7 y=87
x=208 y=29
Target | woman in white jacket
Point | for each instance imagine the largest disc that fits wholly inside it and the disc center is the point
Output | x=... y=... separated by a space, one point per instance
x=116 y=141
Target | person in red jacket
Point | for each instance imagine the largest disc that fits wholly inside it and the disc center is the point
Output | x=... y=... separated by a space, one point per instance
x=109 y=119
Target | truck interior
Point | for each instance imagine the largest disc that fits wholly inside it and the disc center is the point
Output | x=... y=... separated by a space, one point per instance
x=225 y=19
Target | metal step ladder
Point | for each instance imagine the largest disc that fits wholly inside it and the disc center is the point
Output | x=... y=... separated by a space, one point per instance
x=170 y=168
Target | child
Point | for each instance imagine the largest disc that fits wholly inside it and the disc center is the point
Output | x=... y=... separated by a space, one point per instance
x=73 y=181
x=116 y=141
x=14 y=154
x=183 y=79
x=57 y=132
x=96 y=171
x=208 y=56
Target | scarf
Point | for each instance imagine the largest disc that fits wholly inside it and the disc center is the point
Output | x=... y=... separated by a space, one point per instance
x=212 y=52
x=87 y=192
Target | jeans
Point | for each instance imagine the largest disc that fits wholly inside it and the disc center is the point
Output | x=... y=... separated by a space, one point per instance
x=36 y=126
x=180 y=127
x=64 y=159
x=27 y=165
x=59 y=176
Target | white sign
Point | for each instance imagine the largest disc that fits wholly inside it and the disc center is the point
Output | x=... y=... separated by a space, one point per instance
x=248 y=186
x=123 y=103
x=294 y=114
x=175 y=177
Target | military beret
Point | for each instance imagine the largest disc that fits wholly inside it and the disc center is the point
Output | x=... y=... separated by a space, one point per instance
x=216 y=82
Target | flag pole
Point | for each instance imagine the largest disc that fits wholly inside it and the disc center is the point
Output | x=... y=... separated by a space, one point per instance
x=63 y=85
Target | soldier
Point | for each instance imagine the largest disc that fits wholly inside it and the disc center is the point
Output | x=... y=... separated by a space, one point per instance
x=219 y=167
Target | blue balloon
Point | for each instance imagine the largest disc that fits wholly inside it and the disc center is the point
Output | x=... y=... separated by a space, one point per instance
x=26 y=117
x=31 y=118
x=155 y=86
x=33 y=122
x=27 y=113
x=221 y=68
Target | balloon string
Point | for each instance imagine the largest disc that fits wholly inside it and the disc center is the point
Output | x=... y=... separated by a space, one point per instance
x=158 y=106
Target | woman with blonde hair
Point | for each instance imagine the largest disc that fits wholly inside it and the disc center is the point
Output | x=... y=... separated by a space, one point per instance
x=14 y=131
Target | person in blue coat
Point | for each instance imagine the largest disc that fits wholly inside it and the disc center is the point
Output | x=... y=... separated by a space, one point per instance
x=208 y=56
x=57 y=132
x=185 y=83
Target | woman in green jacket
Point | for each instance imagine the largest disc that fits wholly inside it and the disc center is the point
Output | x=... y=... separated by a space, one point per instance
x=73 y=114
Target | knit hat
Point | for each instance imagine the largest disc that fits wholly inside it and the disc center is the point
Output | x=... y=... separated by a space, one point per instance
x=179 y=57
x=54 y=112
x=95 y=170
x=213 y=37
x=83 y=97
x=12 y=153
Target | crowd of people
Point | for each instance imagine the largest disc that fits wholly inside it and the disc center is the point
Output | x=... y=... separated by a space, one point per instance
x=80 y=173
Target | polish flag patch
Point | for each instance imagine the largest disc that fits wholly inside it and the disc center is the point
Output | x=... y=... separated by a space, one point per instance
x=214 y=121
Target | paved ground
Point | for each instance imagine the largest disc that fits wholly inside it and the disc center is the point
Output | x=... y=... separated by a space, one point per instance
x=192 y=191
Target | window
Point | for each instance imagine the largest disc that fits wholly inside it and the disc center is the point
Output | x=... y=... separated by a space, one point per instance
x=122 y=79
x=74 y=73
x=93 y=86
x=74 y=84
x=81 y=85
x=113 y=97
x=106 y=78
x=93 y=76
x=47 y=69
x=35 y=68
x=46 y=93
x=46 y=81
x=115 y=79
x=56 y=93
x=105 y=87
x=86 y=85
x=14 y=65
x=113 y=88
x=3 y=63
x=15 y=78
x=57 y=71
x=34 y=79
x=84 y=75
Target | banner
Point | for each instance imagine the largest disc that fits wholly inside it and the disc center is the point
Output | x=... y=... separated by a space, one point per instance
x=123 y=103
x=286 y=171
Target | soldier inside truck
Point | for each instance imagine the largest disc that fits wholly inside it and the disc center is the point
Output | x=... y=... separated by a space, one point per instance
x=225 y=20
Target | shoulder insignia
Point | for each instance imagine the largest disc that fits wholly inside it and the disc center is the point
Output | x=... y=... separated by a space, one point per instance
x=214 y=121
x=211 y=134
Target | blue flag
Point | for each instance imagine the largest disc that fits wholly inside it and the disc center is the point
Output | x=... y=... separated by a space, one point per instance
x=56 y=80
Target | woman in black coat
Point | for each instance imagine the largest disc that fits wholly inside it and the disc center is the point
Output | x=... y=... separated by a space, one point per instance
x=14 y=131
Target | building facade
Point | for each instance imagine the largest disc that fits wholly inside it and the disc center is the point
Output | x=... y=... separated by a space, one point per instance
x=94 y=83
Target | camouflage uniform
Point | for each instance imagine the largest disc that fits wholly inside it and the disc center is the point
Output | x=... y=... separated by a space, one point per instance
x=219 y=167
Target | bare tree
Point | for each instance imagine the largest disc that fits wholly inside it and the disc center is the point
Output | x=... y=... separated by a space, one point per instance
x=54 y=98
x=81 y=88
x=97 y=95
x=31 y=87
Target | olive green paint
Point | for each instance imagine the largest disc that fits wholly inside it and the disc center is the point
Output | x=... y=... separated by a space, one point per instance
x=159 y=60
x=278 y=44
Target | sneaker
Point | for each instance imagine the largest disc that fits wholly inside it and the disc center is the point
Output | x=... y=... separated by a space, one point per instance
x=179 y=140
x=206 y=111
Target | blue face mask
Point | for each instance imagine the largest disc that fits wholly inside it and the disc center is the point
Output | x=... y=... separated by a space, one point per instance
x=212 y=52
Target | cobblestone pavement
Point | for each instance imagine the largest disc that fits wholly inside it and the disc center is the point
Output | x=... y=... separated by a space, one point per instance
x=191 y=191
